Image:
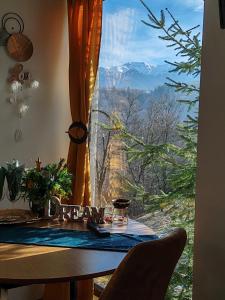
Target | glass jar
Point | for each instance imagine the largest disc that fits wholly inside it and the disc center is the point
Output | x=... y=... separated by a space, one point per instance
x=120 y=216
x=120 y=211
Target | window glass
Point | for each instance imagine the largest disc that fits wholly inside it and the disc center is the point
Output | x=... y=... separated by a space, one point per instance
x=145 y=116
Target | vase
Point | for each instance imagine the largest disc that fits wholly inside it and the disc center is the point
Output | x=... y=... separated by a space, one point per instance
x=14 y=178
x=47 y=209
x=2 y=181
x=37 y=208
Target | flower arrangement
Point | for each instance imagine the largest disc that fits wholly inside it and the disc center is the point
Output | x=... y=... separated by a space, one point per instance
x=40 y=184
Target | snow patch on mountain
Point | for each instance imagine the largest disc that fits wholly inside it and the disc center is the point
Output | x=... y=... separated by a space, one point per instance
x=138 y=75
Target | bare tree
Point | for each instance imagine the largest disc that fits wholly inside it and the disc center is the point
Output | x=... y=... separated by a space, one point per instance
x=153 y=118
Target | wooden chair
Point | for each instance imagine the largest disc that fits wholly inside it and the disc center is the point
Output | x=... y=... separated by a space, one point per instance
x=146 y=270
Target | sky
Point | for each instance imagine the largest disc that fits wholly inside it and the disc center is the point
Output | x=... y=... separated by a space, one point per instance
x=125 y=38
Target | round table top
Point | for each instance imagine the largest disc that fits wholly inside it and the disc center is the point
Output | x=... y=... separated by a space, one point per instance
x=28 y=264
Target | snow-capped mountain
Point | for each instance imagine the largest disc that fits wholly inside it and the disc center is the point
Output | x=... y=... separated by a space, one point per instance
x=137 y=75
x=140 y=67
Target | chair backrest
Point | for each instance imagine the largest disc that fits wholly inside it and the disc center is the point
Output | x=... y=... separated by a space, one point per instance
x=146 y=270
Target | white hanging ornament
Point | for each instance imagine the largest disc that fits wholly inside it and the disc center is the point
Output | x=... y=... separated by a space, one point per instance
x=12 y=100
x=23 y=108
x=21 y=85
x=18 y=135
x=34 y=84
x=16 y=86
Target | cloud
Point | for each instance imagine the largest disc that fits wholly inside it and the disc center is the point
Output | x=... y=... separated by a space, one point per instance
x=122 y=40
x=118 y=30
x=195 y=4
x=126 y=39
x=137 y=51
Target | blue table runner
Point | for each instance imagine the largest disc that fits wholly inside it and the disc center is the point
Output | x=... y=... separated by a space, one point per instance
x=70 y=238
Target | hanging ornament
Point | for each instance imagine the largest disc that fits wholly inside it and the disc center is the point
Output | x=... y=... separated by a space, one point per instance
x=23 y=108
x=20 y=82
x=12 y=100
x=11 y=23
x=18 y=135
x=15 y=73
x=16 y=87
x=34 y=84
x=18 y=46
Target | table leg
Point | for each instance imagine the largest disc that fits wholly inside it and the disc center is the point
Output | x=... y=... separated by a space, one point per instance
x=73 y=290
x=3 y=294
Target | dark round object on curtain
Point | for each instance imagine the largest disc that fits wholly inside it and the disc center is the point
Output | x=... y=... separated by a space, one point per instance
x=78 y=125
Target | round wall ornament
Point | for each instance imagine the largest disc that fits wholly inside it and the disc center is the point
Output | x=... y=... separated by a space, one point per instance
x=12 y=23
x=19 y=47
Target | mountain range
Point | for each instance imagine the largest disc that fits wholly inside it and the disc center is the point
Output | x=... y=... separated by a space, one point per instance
x=138 y=75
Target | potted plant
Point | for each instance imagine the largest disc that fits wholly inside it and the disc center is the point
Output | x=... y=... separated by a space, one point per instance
x=40 y=184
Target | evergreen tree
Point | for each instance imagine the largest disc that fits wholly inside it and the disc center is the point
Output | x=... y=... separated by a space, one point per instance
x=178 y=159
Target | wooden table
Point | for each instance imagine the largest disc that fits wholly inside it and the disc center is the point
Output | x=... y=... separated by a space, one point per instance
x=25 y=265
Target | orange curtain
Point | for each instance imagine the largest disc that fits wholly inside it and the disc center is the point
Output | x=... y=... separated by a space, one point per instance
x=85 y=24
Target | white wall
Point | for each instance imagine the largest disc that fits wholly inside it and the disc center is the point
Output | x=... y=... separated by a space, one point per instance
x=49 y=116
x=45 y=124
x=209 y=270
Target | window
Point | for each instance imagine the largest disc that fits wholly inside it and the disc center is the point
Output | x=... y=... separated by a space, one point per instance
x=149 y=155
